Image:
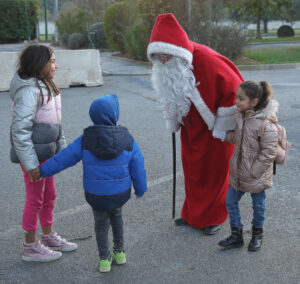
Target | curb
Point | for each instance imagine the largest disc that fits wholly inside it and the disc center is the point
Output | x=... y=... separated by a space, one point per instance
x=107 y=74
x=146 y=63
x=269 y=66
x=279 y=42
x=240 y=67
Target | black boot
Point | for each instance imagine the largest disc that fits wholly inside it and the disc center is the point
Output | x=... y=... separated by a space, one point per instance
x=181 y=222
x=235 y=240
x=256 y=241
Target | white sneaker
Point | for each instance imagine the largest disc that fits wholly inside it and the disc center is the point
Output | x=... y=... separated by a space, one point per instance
x=38 y=252
x=55 y=242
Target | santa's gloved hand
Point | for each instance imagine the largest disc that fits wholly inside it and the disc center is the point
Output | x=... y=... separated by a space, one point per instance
x=219 y=134
x=172 y=125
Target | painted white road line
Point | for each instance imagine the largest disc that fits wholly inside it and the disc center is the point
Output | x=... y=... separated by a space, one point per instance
x=17 y=229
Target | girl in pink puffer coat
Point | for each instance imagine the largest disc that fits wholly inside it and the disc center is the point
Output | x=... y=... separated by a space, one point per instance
x=251 y=167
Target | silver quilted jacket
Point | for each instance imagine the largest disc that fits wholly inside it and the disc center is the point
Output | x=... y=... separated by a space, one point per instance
x=251 y=167
x=36 y=133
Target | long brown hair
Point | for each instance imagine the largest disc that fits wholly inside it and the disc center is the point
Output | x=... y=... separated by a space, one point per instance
x=32 y=61
x=261 y=90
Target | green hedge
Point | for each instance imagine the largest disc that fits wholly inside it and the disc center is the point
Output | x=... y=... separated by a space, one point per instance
x=76 y=21
x=127 y=27
x=117 y=19
x=136 y=41
x=149 y=9
x=13 y=19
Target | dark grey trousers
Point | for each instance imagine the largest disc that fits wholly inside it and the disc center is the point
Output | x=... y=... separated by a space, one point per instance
x=103 y=220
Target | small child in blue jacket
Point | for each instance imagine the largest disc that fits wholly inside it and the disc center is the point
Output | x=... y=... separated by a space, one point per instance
x=111 y=161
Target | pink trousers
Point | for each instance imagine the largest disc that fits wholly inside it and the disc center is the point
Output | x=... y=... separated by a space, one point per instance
x=39 y=204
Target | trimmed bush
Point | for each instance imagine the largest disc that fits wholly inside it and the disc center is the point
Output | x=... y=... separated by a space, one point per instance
x=136 y=41
x=149 y=9
x=76 y=41
x=98 y=29
x=227 y=40
x=13 y=19
x=285 y=31
x=117 y=18
x=73 y=22
x=64 y=39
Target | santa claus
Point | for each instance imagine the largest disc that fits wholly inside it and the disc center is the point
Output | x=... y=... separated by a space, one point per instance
x=196 y=87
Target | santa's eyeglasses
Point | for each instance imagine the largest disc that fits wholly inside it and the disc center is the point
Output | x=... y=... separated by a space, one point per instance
x=162 y=57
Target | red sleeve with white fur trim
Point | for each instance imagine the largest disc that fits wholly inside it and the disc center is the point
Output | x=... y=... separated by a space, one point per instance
x=217 y=78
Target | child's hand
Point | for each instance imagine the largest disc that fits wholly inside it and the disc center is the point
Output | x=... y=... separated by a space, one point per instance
x=34 y=175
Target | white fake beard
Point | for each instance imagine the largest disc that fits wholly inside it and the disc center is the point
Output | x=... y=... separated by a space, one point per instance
x=174 y=84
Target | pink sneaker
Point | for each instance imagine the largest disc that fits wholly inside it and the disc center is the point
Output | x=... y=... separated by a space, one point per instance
x=55 y=242
x=38 y=252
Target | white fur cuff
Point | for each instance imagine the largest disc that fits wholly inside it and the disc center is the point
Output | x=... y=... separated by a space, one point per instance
x=225 y=118
x=219 y=134
x=172 y=125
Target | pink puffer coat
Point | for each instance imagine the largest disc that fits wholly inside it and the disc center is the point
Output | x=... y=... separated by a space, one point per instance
x=251 y=167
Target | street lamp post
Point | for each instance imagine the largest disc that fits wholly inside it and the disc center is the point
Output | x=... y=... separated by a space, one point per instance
x=189 y=8
x=55 y=18
x=27 y=21
x=46 y=19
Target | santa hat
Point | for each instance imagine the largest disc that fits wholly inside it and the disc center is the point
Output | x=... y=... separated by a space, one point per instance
x=168 y=37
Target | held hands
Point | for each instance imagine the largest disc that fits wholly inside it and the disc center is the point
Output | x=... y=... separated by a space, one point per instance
x=34 y=175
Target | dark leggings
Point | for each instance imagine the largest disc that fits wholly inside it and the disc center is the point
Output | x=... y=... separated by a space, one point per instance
x=103 y=220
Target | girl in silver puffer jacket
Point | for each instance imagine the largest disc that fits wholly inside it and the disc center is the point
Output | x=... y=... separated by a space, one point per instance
x=36 y=135
x=251 y=167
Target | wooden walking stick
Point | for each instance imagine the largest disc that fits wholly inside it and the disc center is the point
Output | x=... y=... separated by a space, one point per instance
x=174 y=174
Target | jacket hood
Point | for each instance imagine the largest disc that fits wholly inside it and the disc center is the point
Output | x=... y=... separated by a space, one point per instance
x=107 y=142
x=270 y=111
x=105 y=110
x=17 y=83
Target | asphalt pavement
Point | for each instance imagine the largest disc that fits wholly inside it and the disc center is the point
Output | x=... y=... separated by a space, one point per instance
x=157 y=251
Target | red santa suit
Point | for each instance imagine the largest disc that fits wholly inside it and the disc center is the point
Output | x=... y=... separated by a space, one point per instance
x=205 y=159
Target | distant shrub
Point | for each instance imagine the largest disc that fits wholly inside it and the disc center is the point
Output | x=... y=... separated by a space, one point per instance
x=13 y=19
x=117 y=18
x=136 y=41
x=149 y=9
x=285 y=31
x=76 y=21
x=63 y=38
x=76 y=41
x=99 y=38
x=227 y=40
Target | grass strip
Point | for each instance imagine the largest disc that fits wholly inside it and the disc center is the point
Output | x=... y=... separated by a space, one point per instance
x=278 y=55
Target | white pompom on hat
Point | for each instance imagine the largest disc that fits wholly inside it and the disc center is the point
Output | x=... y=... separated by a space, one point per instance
x=168 y=37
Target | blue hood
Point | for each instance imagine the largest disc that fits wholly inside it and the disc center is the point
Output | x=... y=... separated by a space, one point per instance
x=105 y=139
x=107 y=142
x=105 y=110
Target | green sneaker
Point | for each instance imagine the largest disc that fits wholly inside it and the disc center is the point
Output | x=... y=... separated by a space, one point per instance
x=120 y=257
x=105 y=265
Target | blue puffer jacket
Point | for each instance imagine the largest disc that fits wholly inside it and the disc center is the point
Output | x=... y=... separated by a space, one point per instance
x=110 y=156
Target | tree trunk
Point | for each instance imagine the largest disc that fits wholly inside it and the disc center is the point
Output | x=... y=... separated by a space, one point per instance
x=189 y=10
x=265 y=25
x=258 y=35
